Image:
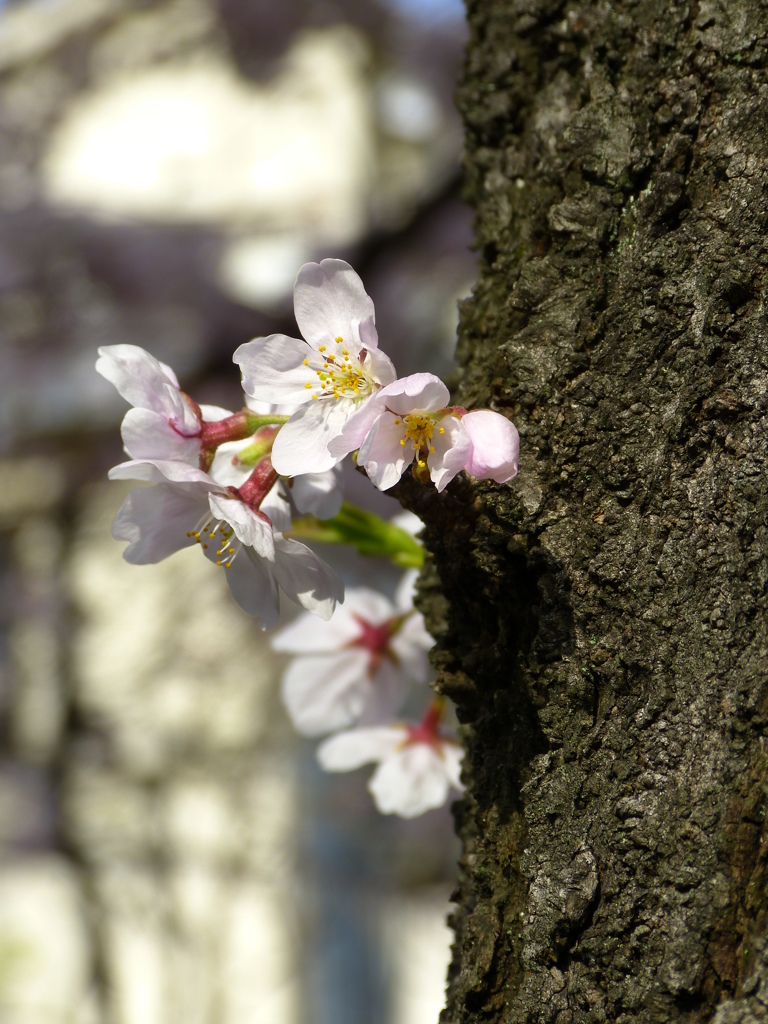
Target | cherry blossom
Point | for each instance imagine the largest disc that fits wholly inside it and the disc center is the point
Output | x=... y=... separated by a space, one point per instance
x=237 y=528
x=165 y=423
x=495 y=445
x=336 y=368
x=416 y=764
x=359 y=665
x=410 y=419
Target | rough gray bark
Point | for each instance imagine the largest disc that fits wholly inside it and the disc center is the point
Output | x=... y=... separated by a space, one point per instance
x=602 y=620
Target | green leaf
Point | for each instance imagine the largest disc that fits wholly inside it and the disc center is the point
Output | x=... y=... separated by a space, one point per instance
x=366 y=532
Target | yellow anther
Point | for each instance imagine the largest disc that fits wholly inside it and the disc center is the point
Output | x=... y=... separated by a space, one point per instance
x=442 y=430
x=306 y=362
x=344 y=352
x=307 y=385
x=431 y=451
x=321 y=348
x=339 y=339
x=402 y=442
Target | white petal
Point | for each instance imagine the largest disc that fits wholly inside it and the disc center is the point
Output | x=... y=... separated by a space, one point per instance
x=301 y=446
x=330 y=302
x=277 y=507
x=269 y=408
x=410 y=782
x=452 y=449
x=254 y=587
x=250 y=528
x=421 y=392
x=368 y=335
x=387 y=694
x=226 y=469
x=212 y=413
x=157 y=470
x=318 y=494
x=357 y=426
x=370 y=605
x=495 y=445
x=274 y=371
x=411 y=645
x=308 y=634
x=155 y=521
x=138 y=376
x=380 y=367
x=452 y=754
x=149 y=435
x=382 y=455
x=305 y=578
x=325 y=693
x=350 y=750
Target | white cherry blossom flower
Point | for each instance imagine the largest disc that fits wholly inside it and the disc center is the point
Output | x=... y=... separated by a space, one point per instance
x=337 y=368
x=164 y=423
x=359 y=665
x=410 y=419
x=495 y=445
x=416 y=765
x=185 y=506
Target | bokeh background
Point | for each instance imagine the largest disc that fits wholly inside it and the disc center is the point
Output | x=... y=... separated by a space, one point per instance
x=168 y=849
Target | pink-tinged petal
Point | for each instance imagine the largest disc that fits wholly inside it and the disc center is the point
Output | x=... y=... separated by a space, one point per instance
x=382 y=455
x=350 y=750
x=325 y=693
x=212 y=413
x=305 y=578
x=155 y=521
x=254 y=587
x=180 y=412
x=410 y=782
x=330 y=302
x=421 y=392
x=452 y=449
x=273 y=369
x=301 y=445
x=452 y=755
x=357 y=426
x=380 y=367
x=149 y=435
x=138 y=377
x=495 y=445
x=318 y=494
x=386 y=695
x=250 y=529
x=158 y=470
x=309 y=635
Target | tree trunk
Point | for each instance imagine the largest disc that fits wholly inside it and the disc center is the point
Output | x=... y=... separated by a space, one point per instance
x=601 y=620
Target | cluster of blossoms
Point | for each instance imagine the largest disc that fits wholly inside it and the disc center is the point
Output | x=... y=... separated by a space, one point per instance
x=234 y=482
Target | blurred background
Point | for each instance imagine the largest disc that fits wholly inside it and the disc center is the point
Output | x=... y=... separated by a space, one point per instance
x=168 y=850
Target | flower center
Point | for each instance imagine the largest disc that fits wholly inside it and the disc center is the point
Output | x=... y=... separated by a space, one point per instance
x=220 y=533
x=341 y=375
x=418 y=428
